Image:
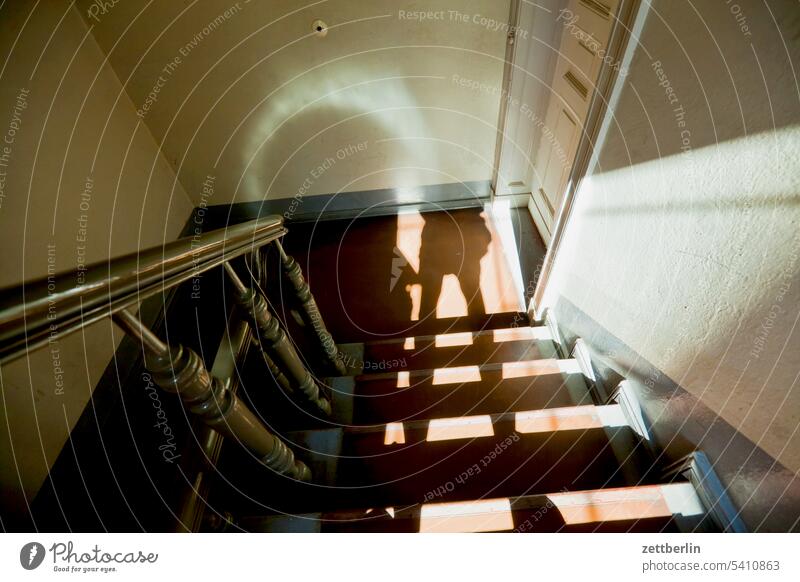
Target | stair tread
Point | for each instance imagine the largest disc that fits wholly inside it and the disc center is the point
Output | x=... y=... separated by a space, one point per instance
x=648 y=508
x=581 y=447
x=450 y=349
x=508 y=369
x=458 y=391
x=498 y=334
x=431 y=326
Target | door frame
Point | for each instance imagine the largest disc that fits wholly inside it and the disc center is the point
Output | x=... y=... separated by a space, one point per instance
x=617 y=46
x=503 y=121
x=607 y=80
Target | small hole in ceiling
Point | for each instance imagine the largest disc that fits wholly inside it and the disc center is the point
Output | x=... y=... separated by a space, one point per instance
x=319 y=28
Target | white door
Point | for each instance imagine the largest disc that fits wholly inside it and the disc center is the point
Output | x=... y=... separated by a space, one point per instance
x=587 y=25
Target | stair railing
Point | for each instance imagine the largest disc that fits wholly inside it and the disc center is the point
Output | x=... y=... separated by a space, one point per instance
x=36 y=313
x=309 y=311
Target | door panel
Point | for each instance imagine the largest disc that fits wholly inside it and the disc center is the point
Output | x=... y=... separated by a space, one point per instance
x=564 y=142
x=580 y=54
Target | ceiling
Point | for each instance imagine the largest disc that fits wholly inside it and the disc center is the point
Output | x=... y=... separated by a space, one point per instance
x=248 y=93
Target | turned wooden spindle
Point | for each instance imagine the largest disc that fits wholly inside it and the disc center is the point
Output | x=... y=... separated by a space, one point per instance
x=280 y=378
x=309 y=312
x=180 y=370
x=275 y=343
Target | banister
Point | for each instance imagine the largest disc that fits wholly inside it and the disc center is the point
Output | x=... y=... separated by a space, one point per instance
x=34 y=313
x=275 y=344
x=309 y=312
x=181 y=371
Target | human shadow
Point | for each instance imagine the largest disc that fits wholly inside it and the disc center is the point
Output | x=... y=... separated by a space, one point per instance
x=452 y=246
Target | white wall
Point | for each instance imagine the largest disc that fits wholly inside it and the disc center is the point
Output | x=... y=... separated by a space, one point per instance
x=259 y=102
x=692 y=257
x=69 y=122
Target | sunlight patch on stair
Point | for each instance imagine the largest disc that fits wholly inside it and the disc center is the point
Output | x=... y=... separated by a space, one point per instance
x=469 y=517
x=612 y=415
x=568 y=418
x=395 y=434
x=682 y=499
x=513 y=334
x=575 y=508
x=617 y=505
x=543 y=367
x=452 y=302
x=415 y=291
x=409 y=236
x=627 y=503
x=456 y=375
x=447 y=340
x=467 y=427
x=501 y=276
x=408 y=244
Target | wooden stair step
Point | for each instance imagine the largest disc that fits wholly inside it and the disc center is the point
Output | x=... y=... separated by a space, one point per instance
x=668 y=507
x=450 y=459
x=449 y=350
x=458 y=391
x=429 y=326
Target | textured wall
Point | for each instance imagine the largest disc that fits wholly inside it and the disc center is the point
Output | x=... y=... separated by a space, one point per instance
x=685 y=242
x=82 y=180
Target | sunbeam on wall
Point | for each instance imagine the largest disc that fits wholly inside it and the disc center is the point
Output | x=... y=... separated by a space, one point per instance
x=702 y=258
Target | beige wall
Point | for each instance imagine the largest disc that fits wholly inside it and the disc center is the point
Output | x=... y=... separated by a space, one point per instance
x=684 y=243
x=258 y=101
x=69 y=123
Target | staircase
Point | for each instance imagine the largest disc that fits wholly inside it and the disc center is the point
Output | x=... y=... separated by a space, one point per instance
x=459 y=432
x=479 y=424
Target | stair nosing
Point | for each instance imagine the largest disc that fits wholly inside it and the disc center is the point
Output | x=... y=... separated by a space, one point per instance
x=432 y=337
x=565 y=365
x=599 y=410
